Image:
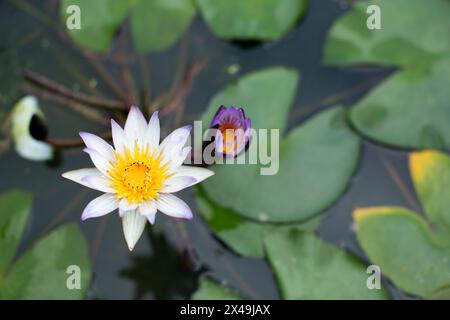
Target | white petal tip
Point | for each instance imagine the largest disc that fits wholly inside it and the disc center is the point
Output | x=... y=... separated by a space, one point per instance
x=133 y=224
x=187 y=127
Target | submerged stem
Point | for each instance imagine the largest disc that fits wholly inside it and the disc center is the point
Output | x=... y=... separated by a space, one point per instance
x=55 y=87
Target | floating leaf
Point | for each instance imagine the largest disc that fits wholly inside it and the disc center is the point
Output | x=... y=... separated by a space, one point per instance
x=430 y=171
x=316 y=162
x=308 y=268
x=412 y=252
x=251 y=19
x=402 y=245
x=411 y=108
x=100 y=21
x=244 y=236
x=14 y=211
x=41 y=272
x=155 y=24
x=210 y=290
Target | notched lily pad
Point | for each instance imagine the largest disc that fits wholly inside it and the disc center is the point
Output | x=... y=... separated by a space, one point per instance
x=244 y=236
x=412 y=251
x=415 y=99
x=316 y=160
x=15 y=207
x=42 y=271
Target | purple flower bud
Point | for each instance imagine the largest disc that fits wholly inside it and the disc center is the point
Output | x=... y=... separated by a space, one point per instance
x=233 y=131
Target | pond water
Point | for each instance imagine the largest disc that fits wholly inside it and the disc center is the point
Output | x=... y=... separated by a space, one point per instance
x=168 y=264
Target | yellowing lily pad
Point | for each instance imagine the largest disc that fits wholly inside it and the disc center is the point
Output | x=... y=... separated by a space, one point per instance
x=430 y=171
x=411 y=108
x=307 y=268
x=317 y=159
x=413 y=252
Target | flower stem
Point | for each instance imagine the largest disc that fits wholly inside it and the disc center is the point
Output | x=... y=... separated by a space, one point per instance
x=50 y=85
x=73 y=142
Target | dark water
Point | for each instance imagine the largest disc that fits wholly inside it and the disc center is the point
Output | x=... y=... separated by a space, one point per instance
x=167 y=263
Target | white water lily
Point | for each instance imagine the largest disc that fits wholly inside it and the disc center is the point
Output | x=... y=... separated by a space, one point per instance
x=25 y=144
x=138 y=175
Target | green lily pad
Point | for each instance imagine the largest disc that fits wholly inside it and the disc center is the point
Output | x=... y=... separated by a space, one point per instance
x=41 y=272
x=210 y=290
x=411 y=108
x=244 y=236
x=155 y=24
x=316 y=162
x=100 y=21
x=251 y=19
x=413 y=252
x=308 y=268
x=15 y=208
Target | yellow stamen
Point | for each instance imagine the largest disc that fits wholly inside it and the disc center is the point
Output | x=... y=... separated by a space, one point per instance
x=138 y=176
x=232 y=138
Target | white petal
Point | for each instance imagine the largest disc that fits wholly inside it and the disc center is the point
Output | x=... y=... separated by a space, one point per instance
x=99 y=161
x=78 y=175
x=118 y=135
x=135 y=126
x=133 y=224
x=25 y=144
x=199 y=174
x=151 y=218
x=100 y=206
x=175 y=141
x=99 y=183
x=32 y=149
x=174 y=184
x=152 y=133
x=125 y=205
x=147 y=207
x=98 y=144
x=177 y=159
x=173 y=206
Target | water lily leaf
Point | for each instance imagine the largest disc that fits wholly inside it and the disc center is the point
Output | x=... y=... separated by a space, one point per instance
x=100 y=21
x=306 y=182
x=430 y=172
x=406 y=250
x=158 y=24
x=410 y=109
x=155 y=24
x=210 y=290
x=413 y=252
x=15 y=208
x=308 y=268
x=41 y=272
x=244 y=236
x=251 y=19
